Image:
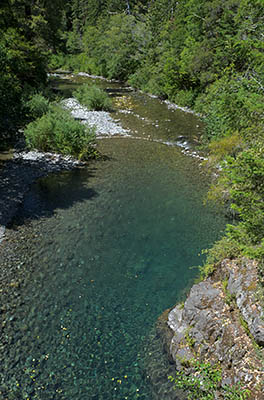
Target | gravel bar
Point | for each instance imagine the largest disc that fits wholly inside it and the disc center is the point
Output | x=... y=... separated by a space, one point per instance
x=102 y=120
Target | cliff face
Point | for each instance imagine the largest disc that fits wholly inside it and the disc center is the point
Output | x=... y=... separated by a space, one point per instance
x=222 y=321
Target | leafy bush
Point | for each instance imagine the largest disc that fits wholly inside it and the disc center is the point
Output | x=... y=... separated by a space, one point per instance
x=93 y=98
x=185 y=98
x=58 y=131
x=242 y=183
x=37 y=105
x=10 y=107
x=244 y=177
x=21 y=67
x=140 y=78
x=116 y=45
x=56 y=61
x=232 y=95
x=225 y=247
x=149 y=79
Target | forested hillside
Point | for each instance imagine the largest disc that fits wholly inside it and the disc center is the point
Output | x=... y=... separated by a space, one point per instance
x=206 y=55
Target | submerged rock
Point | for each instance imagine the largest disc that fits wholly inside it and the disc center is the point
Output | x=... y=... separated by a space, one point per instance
x=222 y=322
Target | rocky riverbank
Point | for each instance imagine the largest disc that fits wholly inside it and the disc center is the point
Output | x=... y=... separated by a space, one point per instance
x=221 y=321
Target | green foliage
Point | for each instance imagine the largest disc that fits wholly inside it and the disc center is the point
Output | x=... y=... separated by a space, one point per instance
x=21 y=69
x=244 y=178
x=220 y=148
x=57 y=131
x=226 y=247
x=93 y=98
x=204 y=383
x=56 y=61
x=241 y=184
x=230 y=299
x=116 y=45
x=229 y=96
x=75 y=63
x=244 y=324
x=188 y=338
x=185 y=98
x=73 y=42
x=146 y=78
x=37 y=105
x=10 y=92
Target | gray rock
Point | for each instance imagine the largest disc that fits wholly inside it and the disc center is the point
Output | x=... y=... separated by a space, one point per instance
x=208 y=327
x=242 y=284
x=2 y=232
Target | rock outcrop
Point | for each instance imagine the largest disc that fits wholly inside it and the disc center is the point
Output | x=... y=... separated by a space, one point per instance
x=222 y=321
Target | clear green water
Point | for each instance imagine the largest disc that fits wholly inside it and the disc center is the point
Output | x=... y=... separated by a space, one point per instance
x=114 y=251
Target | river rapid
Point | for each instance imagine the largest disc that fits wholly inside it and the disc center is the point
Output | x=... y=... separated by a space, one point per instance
x=101 y=252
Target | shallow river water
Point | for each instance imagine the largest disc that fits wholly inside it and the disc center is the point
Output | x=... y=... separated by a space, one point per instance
x=116 y=241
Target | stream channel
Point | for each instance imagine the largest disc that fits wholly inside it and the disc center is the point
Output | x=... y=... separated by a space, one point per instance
x=110 y=248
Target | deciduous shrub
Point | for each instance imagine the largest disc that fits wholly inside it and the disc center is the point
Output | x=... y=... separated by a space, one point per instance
x=93 y=98
x=242 y=178
x=232 y=95
x=37 y=105
x=58 y=131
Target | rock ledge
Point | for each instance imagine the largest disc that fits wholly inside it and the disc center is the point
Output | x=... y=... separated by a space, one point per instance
x=222 y=321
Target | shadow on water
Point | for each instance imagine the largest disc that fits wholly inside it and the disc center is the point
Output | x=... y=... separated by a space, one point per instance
x=117 y=91
x=59 y=191
x=65 y=87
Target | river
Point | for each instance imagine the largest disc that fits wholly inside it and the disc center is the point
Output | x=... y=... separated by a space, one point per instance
x=110 y=247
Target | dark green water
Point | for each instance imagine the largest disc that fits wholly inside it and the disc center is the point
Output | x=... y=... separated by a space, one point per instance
x=114 y=252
